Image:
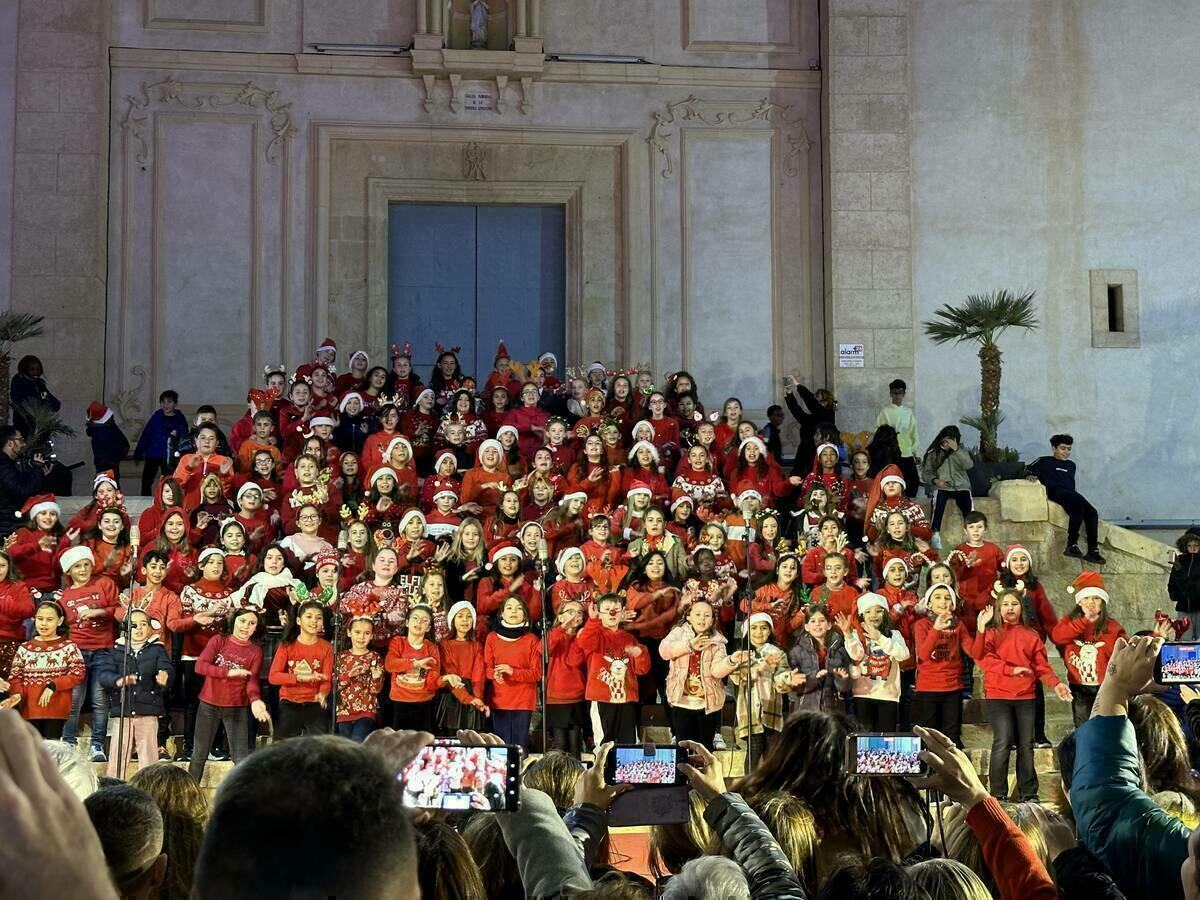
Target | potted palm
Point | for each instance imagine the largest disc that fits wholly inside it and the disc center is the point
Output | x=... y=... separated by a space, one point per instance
x=14 y=328
x=981 y=319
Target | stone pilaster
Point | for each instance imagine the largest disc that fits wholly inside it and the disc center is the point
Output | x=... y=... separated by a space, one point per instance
x=869 y=200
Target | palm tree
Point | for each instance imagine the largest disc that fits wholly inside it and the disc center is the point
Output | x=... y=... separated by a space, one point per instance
x=982 y=319
x=14 y=328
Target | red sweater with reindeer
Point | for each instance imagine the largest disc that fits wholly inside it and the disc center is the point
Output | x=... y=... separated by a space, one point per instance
x=1084 y=650
x=38 y=664
x=612 y=672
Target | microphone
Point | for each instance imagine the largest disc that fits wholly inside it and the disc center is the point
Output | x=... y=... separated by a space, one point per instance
x=543 y=552
x=343 y=540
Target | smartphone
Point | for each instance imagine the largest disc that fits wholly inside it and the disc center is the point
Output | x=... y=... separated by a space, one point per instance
x=884 y=754
x=650 y=806
x=449 y=775
x=1178 y=663
x=645 y=764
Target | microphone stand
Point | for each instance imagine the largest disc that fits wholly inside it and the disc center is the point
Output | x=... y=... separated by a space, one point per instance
x=127 y=634
x=543 y=568
x=749 y=686
x=336 y=624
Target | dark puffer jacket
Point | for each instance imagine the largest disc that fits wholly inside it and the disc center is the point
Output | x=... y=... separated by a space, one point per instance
x=1184 y=583
x=147 y=696
x=770 y=874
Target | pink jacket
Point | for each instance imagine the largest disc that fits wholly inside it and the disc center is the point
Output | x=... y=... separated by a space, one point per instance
x=714 y=666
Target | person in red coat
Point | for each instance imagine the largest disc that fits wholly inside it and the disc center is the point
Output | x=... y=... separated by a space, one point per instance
x=89 y=603
x=506 y=580
x=462 y=672
x=942 y=640
x=529 y=419
x=415 y=662
x=1086 y=637
x=512 y=663
x=976 y=565
x=1013 y=657
x=615 y=661
x=566 y=708
x=36 y=547
x=194 y=467
x=753 y=463
x=16 y=605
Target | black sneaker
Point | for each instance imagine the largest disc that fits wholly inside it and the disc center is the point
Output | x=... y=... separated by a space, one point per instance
x=1073 y=550
x=183 y=754
x=1042 y=744
x=1093 y=555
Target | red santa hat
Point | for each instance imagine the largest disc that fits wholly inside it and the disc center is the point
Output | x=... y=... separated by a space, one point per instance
x=347 y=397
x=753 y=439
x=525 y=526
x=679 y=496
x=933 y=587
x=895 y=561
x=747 y=489
x=98 y=413
x=1088 y=584
x=869 y=599
x=74 y=555
x=327 y=344
x=105 y=477
x=501 y=352
x=548 y=362
x=1012 y=549
x=642 y=426
x=379 y=473
x=37 y=504
x=565 y=555
x=886 y=474
x=597 y=365
x=320 y=420
x=502 y=549
x=639 y=487
x=639 y=445
x=456 y=608
x=323 y=559
x=421 y=396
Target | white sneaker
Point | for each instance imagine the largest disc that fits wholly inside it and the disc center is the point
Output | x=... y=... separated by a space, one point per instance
x=718 y=741
x=936 y=541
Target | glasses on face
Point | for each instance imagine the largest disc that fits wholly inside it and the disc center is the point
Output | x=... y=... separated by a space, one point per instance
x=311 y=517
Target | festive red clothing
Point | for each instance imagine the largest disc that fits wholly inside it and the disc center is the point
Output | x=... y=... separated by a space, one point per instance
x=901 y=603
x=603 y=491
x=917 y=523
x=787 y=614
x=563 y=590
x=940 y=655
x=1086 y=651
x=566 y=679
x=706 y=489
x=812 y=568
x=435 y=483
x=1000 y=650
x=649 y=477
x=92 y=633
x=220 y=655
x=39 y=568
x=494 y=589
x=656 y=615
x=484 y=487
x=296 y=659
x=612 y=669
x=373 y=449
x=161 y=605
x=193 y=469
x=1043 y=613
x=1015 y=866
x=766 y=477
x=839 y=600
x=16 y=605
x=525 y=419
x=419 y=428
x=203 y=596
x=976 y=569
x=38 y=664
x=517 y=689
x=411 y=684
x=464 y=659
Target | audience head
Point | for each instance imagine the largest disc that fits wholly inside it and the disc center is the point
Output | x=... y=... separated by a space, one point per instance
x=1166 y=764
x=130 y=829
x=445 y=867
x=948 y=879
x=491 y=854
x=184 y=809
x=673 y=844
x=879 y=879
x=708 y=878
x=356 y=840
x=76 y=771
x=791 y=822
x=554 y=774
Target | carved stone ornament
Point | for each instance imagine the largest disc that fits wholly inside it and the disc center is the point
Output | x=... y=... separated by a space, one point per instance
x=474 y=159
x=127 y=404
x=171 y=91
x=663 y=137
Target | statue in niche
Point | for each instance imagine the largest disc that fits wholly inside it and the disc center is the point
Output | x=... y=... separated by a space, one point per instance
x=479 y=24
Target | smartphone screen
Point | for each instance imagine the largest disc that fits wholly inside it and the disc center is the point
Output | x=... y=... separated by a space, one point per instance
x=450 y=776
x=884 y=754
x=650 y=806
x=1178 y=664
x=642 y=764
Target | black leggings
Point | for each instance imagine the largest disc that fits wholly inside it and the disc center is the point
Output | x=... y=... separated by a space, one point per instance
x=941 y=710
x=695 y=725
x=941 y=497
x=50 y=729
x=301 y=718
x=1079 y=511
x=876 y=715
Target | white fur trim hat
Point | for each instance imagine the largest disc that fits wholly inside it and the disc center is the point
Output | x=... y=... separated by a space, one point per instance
x=753 y=439
x=763 y=617
x=682 y=498
x=421 y=396
x=1088 y=584
x=392 y=444
x=643 y=424
x=933 y=587
x=104 y=478
x=445 y=454
x=74 y=555
x=356 y=354
x=456 y=608
x=502 y=429
x=869 y=599
x=566 y=554
x=379 y=473
x=492 y=443
x=46 y=504
x=321 y=420
x=408 y=517
x=445 y=492
x=1013 y=549
x=893 y=478
x=207 y=552
x=574 y=495
x=347 y=397
x=246 y=488
x=827 y=446
x=895 y=561
x=639 y=445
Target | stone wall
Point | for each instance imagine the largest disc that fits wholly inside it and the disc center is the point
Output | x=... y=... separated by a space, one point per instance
x=59 y=196
x=870 y=298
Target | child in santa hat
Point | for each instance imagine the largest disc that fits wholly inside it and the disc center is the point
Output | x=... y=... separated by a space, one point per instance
x=460 y=704
x=740 y=526
x=443 y=521
x=887 y=495
x=419 y=425
x=502 y=525
x=753 y=463
x=483 y=484
x=205 y=604
x=627 y=520
x=643 y=467
x=356 y=376
x=109 y=444
x=682 y=523
x=564 y=525
x=505 y=579
x=831 y=538
x=461 y=410
x=502 y=373
x=876 y=651
x=1086 y=637
x=572 y=582
x=942 y=643
x=106 y=494
x=35 y=547
x=414 y=550
x=827 y=471
x=1017 y=572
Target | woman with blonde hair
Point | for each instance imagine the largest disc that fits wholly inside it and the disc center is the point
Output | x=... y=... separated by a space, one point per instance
x=948 y=879
x=184 y=809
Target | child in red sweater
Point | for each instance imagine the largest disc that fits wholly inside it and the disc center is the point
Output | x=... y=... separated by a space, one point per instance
x=45 y=671
x=89 y=603
x=512 y=662
x=1018 y=573
x=1013 y=658
x=976 y=565
x=831 y=539
x=565 y=681
x=35 y=548
x=504 y=561
x=303 y=670
x=415 y=662
x=229 y=664
x=462 y=672
x=614 y=662
x=16 y=605
x=1085 y=637
x=942 y=641
x=841 y=598
x=359 y=681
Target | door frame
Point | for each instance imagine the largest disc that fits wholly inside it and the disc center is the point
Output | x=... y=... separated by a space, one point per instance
x=381 y=192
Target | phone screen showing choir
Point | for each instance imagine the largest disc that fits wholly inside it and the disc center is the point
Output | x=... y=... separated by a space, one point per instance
x=1180 y=663
x=460 y=778
x=636 y=766
x=887 y=754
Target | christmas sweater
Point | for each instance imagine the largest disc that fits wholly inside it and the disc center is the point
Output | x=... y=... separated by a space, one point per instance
x=464 y=659
x=842 y=599
x=357 y=686
x=875 y=669
x=222 y=653
x=16 y=605
x=1086 y=651
x=612 y=671
x=35 y=665
x=161 y=605
x=294 y=659
x=93 y=633
x=203 y=596
x=411 y=684
x=940 y=655
x=976 y=569
x=917 y=523
x=563 y=590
